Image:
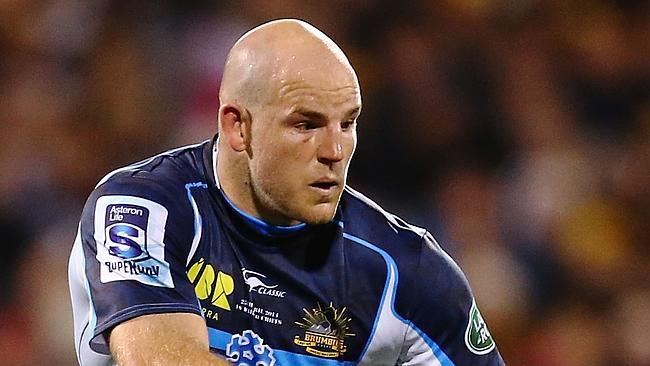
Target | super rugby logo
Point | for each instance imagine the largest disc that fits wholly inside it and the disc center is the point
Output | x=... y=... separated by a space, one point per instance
x=129 y=232
x=126 y=241
x=255 y=284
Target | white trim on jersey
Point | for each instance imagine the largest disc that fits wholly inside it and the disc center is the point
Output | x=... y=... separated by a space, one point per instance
x=417 y=352
x=393 y=339
x=388 y=332
x=198 y=220
x=85 y=318
x=215 y=153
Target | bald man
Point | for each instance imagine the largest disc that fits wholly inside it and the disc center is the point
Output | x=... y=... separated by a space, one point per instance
x=251 y=248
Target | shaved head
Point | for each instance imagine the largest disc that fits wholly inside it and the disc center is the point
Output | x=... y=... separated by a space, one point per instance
x=267 y=57
x=289 y=101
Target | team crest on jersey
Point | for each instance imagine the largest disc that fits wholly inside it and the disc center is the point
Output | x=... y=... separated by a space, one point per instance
x=325 y=331
x=129 y=232
x=477 y=336
x=210 y=284
x=248 y=349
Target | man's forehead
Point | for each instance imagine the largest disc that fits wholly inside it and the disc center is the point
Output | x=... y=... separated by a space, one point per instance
x=301 y=97
x=316 y=77
x=319 y=69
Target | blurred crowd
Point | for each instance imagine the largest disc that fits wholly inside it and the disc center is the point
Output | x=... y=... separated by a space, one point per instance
x=516 y=131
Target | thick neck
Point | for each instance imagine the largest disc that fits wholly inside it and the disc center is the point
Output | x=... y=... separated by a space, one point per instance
x=238 y=193
x=261 y=226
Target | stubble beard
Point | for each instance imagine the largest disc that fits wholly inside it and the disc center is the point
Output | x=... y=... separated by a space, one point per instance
x=276 y=207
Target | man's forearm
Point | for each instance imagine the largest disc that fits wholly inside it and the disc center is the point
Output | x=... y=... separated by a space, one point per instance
x=161 y=340
x=174 y=352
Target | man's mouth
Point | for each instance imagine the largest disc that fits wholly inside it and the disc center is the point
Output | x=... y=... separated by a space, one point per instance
x=324 y=184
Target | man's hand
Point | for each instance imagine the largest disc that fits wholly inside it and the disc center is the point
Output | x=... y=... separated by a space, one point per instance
x=163 y=339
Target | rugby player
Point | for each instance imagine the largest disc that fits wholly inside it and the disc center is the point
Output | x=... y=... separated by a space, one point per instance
x=250 y=249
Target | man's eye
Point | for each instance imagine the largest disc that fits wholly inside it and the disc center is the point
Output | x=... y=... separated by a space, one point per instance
x=346 y=125
x=305 y=125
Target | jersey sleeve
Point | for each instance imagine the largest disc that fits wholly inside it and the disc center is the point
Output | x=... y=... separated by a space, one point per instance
x=445 y=325
x=135 y=236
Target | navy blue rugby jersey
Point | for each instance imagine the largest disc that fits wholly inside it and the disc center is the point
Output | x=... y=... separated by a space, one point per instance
x=159 y=236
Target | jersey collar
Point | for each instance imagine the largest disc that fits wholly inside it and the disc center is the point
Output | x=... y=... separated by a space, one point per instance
x=258 y=225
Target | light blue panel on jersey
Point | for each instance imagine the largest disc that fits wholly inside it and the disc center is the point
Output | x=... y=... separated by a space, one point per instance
x=291 y=359
x=220 y=340
x=390 y=290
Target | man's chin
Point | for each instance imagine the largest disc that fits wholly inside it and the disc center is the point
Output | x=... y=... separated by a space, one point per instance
x=322 y=213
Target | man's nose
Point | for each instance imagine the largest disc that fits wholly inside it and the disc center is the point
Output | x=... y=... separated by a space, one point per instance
x=330 y=149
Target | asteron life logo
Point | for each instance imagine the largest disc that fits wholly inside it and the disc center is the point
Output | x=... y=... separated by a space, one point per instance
x=255 y=284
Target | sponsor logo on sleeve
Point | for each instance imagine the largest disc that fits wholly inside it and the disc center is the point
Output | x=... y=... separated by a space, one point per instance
x=129 y=232
x=477 y=336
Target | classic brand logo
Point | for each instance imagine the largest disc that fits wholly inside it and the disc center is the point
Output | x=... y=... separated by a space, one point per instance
x=255 y=284
x=477 y=336
x=208 y=283
x=325 y=331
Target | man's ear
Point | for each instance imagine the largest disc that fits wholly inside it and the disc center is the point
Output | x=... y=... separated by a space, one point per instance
x=234 y=121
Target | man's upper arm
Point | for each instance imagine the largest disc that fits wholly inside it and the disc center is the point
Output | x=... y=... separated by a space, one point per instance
x=162 y=339
x=134 y=239
x=444 y=319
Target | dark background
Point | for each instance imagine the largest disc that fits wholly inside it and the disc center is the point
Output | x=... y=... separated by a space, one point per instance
x=516 y=131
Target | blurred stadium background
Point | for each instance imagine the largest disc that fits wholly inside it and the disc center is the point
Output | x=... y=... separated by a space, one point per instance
x=517 y=131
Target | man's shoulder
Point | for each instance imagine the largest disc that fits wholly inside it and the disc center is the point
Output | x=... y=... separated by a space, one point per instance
x=161 y=180
x=411 y=249
x=365 y=218
x=148 y=199
x=169 y=170
x=406 y=244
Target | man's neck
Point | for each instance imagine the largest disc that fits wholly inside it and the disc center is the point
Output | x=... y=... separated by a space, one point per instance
x=235 y=195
